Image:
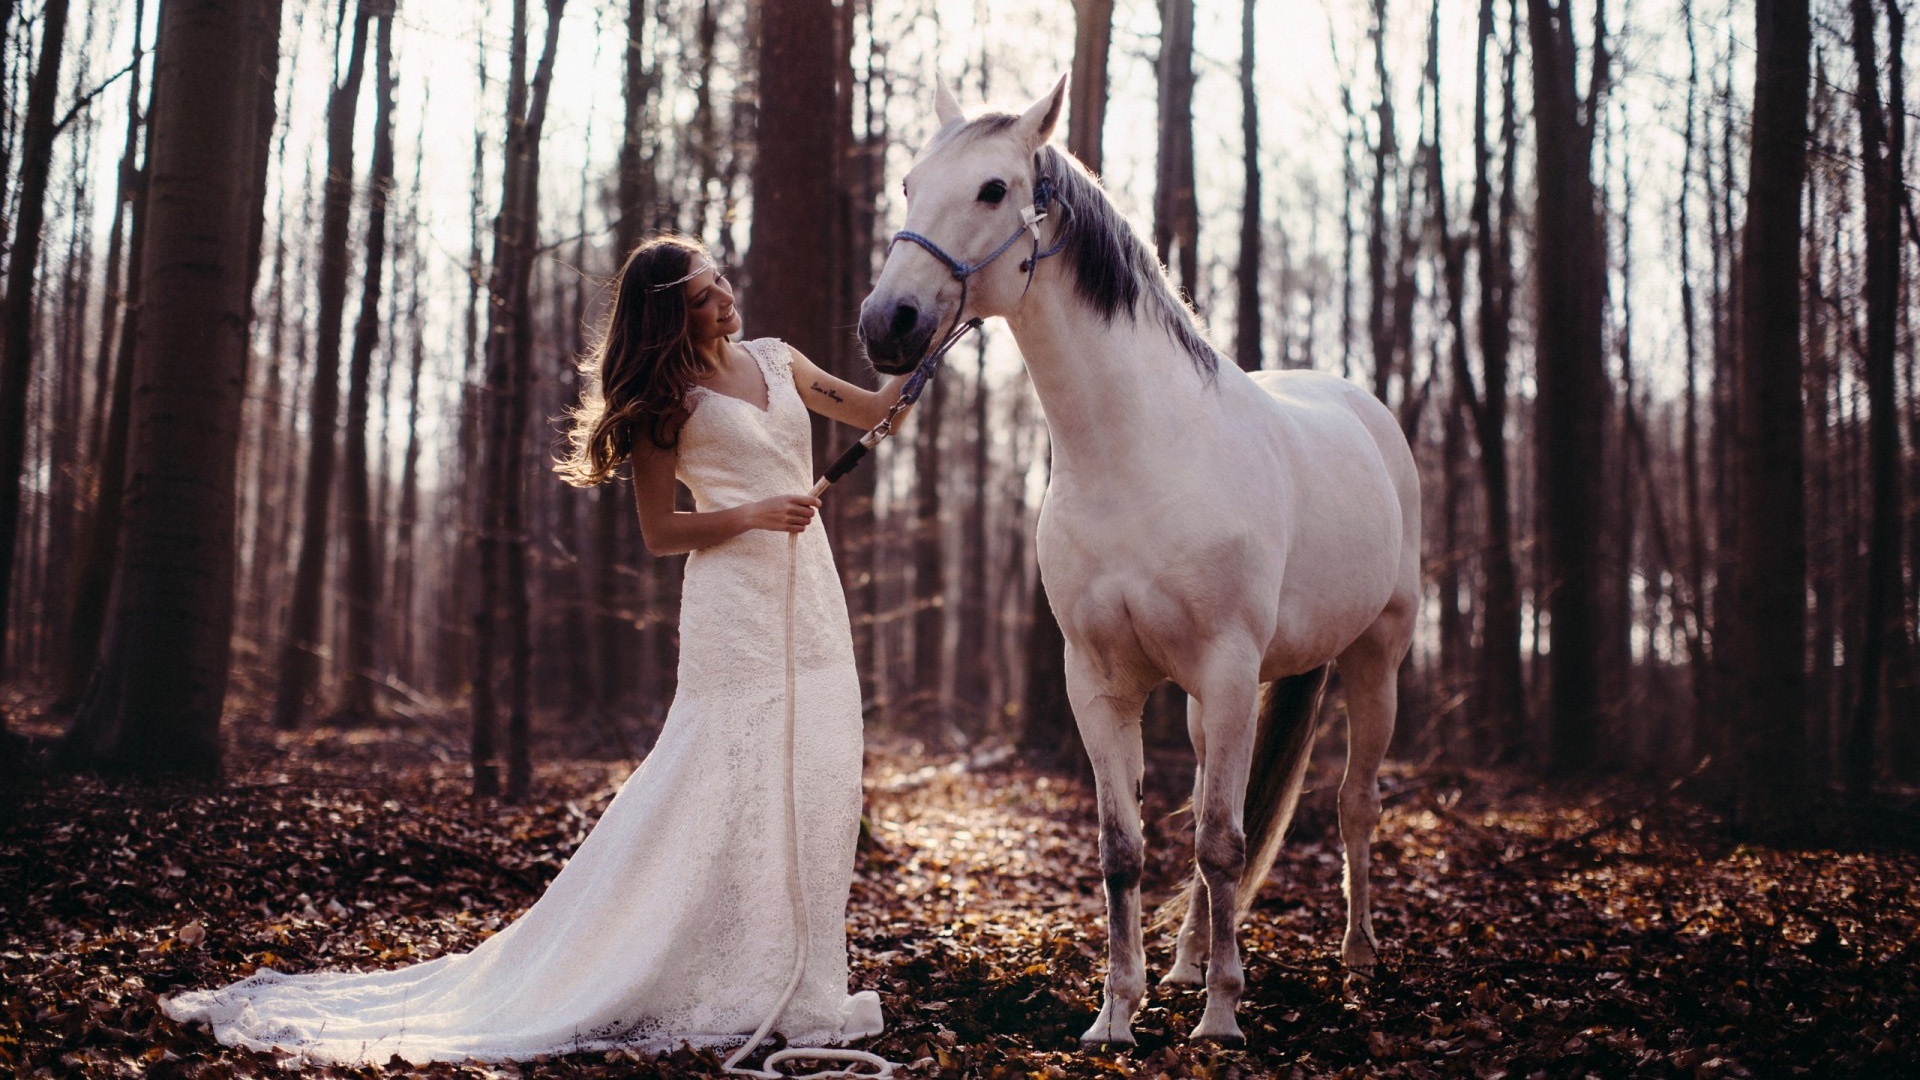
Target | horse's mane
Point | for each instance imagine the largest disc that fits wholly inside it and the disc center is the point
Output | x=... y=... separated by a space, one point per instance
x=1114 y=268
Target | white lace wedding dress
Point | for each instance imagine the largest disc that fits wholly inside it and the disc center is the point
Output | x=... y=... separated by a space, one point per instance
x=672 y=922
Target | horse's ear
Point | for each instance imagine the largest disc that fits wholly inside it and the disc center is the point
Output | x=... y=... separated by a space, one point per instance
x=944 y=107
x=1038 y=123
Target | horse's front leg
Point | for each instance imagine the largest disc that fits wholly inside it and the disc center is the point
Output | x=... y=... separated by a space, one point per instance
x=1220 y=840
x=1109 y=725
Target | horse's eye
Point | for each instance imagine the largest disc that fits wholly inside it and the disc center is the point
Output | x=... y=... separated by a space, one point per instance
x=992 y=192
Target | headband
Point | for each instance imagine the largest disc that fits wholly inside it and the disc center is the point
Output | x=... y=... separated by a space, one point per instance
x=689 y=276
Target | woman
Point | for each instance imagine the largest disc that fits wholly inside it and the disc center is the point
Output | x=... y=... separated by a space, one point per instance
x=673 y=921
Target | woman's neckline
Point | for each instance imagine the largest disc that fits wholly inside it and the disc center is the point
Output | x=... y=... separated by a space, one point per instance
x=766 y=384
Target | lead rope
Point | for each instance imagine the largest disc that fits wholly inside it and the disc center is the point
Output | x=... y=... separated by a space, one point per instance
x=802 y=920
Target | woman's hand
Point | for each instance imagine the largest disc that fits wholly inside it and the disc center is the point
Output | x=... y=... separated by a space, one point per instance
x=782 y=513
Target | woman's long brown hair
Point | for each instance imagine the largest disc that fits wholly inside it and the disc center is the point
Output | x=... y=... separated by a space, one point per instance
x=636 y=376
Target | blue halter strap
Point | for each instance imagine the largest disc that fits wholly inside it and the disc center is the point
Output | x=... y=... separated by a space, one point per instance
x=961 y=270
x=1043 y=198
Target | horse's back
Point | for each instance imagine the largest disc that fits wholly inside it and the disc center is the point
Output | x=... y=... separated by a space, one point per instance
x=1327 y=407
x=1307 y=390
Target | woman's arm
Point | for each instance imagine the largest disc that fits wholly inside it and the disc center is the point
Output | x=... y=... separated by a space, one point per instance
x=839 y=399
x=671 y=532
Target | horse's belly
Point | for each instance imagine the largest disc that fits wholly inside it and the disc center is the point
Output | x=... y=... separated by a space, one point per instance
x=1341 y=573
x=1310 y=632
x=1345 y=556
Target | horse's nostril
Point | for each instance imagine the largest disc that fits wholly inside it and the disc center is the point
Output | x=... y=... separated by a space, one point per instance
x=905 y=318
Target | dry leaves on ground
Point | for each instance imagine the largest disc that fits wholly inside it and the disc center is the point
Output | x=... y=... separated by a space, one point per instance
x=1525 y=932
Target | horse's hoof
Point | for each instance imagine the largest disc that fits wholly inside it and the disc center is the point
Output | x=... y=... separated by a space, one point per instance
x=1230 y=1039
x=1218 y=1025
x=1224 y=1042
x=1359 y=952
x=1184 y=975
x=1106 y=1033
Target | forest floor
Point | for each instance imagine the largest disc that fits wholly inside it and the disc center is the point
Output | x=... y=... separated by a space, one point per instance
x=1526 y=930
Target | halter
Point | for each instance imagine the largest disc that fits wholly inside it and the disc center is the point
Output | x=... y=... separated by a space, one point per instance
x=1030 y=219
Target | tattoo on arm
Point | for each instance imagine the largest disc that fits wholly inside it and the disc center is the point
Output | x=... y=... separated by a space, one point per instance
x=829 y=391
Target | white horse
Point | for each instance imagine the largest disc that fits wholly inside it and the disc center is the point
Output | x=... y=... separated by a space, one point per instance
x=1202 y=525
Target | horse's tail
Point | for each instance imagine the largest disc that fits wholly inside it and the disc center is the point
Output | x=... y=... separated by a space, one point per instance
x=1282 y=745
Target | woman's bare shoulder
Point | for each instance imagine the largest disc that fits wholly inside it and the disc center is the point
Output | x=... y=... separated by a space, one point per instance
x=772 y=348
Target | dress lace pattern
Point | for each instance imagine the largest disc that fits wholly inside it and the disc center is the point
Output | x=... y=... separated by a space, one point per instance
x=672 y=921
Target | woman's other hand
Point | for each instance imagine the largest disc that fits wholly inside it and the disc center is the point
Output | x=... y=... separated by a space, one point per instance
x=782 y=513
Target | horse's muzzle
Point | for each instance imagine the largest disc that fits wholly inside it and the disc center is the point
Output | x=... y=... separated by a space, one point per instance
x=896 y=334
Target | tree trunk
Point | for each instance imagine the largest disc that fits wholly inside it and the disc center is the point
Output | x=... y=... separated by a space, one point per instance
x=1176 y=218
x=9 y=80
x=615 y=644
x=1903 y=711
x=300 y=650
x=17 y=306
x=1696 y=558
x=1246 y=337
x=275 y=402
x=1720 y=718
x=928 y=703
x=503 y=541
x=100 y=525
x=1350 y=184
x=406 y=568
x=493 y=423
x=793 y=179
x=1768 y=620
x=117 y=270
x=973 y=656
x=1569 y=257
x=1385 y=163
x=1087 y=98
x=1629 y=720
x=358 y=681
x=456 y=650
x=1454 y=622
x=1825 y=534
x=1505 y=692
x=66 y=417
x=702 y=138
x=1047 y=715
x=1884 y=625
x=154 y=703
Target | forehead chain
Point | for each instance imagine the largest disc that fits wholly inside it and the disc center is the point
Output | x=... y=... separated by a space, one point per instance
x=688 y=276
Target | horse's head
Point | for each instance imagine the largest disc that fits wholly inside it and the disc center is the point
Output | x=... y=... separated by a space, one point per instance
x=966 y=196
